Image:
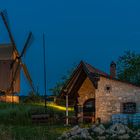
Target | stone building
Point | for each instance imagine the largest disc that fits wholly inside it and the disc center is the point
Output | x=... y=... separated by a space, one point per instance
x=98 y=95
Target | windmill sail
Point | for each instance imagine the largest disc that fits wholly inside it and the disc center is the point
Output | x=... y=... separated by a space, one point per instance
x=10 y=65
x=9 y=32
x=25 y=70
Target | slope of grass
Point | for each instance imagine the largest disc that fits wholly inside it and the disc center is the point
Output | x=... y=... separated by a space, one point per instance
x=20 y=114
x=15 y=132
x=15 y=122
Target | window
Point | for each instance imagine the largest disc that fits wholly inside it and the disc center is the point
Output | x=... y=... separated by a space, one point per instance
x=108 y=88
x=129 y=108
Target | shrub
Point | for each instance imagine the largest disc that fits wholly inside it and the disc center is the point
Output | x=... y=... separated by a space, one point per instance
x=32 y=98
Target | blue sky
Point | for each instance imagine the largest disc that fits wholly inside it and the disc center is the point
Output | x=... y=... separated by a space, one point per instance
x=96 y=31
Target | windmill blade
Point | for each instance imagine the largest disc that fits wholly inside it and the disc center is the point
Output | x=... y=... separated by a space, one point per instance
x=28 y=76
x=14 y=76
x=4 y=15
x=27 y=43
x=4 y=18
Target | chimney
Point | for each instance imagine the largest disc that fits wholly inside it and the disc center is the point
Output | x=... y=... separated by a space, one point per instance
x=113 y=69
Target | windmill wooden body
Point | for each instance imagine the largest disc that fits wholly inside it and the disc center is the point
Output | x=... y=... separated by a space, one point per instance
x=10 y=67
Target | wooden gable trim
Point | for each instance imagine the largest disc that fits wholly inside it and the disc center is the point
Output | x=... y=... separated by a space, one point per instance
x=94 y=77
x=75 y=77
x=81 y=78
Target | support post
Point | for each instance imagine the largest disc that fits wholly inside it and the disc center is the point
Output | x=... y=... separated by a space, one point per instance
x=44 y=54
x=80 y=113
x=67 y=111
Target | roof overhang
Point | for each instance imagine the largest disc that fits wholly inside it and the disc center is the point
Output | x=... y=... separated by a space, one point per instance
x=6 y=51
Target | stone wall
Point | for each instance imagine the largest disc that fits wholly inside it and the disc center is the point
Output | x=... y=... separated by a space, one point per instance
x=86 y=91
x=110 y=102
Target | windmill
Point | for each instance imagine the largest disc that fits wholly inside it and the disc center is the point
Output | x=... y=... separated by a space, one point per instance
x=11 y=64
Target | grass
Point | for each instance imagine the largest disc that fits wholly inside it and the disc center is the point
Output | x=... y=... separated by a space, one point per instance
x=15 y=122
x=14 y=132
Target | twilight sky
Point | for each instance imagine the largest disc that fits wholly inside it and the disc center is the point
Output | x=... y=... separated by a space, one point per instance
x=96 y=31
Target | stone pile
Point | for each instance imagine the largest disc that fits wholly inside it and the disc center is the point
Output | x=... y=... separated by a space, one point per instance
x=99 y=132
x=76 y=133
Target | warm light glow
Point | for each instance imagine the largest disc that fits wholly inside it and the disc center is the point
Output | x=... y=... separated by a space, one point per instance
x=59 y=107
x=53 y=105
x=10 y=99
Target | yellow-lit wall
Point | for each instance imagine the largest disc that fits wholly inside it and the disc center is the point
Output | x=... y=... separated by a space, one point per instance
x=9 y=98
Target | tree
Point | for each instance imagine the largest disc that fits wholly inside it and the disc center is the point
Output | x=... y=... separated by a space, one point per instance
x=64 y=79
x=33 y=97
x=128 y=67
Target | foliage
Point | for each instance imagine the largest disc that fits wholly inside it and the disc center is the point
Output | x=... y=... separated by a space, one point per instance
x=16 y=122
x=128 y=67
x=64 y=79
x=16 y=132
x=57 y=88
x=20 y=114
x=32 y=97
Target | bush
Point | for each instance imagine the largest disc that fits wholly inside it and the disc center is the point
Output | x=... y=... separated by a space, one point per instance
x=32 y=98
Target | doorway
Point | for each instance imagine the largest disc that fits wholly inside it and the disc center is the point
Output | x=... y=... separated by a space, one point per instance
x=89 y=111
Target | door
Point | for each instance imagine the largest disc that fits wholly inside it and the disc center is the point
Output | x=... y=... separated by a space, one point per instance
x=89 y=111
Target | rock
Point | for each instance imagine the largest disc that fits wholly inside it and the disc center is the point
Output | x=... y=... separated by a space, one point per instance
x=92 y=134
x=75 y=128
x=128 y=130
x=107 y=136
x=85 y=134
x=93 y=126
x=116 y=131
x=99 y=129
x=121 y=131
x=114 y=136
x=138 y=132
x=136 y=135
x=81 y=136
x=117 y=128
x=74 y=137
x=135 y=138
x=63 y=136
x=124 y=137
x=75 y=132
x=59 y=138
x=102 y=126
x=101 y=137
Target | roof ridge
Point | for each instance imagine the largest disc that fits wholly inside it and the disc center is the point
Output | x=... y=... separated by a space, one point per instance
x=93 y=69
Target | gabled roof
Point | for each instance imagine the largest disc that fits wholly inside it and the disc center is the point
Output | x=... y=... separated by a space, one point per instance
x=93 y=74
x=92 y=69
x=6 y=51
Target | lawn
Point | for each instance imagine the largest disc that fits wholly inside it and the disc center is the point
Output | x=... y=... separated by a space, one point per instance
x=16 y=124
